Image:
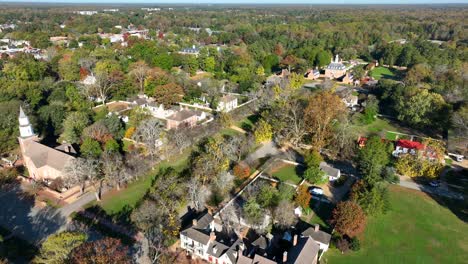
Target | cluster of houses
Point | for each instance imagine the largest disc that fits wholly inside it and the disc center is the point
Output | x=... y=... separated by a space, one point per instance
x=10 y=48
x=206 y=238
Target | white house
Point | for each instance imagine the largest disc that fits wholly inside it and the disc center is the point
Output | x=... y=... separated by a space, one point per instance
x=322 y=238
x=199 y=240
x=227 y=103
x=332 y=173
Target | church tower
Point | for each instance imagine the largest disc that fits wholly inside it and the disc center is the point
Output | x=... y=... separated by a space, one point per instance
x=25 y=126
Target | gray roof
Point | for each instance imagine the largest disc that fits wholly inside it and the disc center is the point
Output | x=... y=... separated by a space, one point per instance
x=196 y=235
x=216 y=249
x=261 y=242
x=336 y=66
x=319 y=235
x=42 y=155
x=182 y=115
x=204 y=221
x=330 y=171
x=305 y=252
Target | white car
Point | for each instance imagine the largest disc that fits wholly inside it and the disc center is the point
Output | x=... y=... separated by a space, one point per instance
x=316 y=191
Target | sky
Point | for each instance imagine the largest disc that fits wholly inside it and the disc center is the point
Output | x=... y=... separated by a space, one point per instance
x=249 y=1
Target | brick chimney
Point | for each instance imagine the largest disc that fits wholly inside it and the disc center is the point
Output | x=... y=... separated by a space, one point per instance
x=194 y=222
x=212 y=236
x=285 y=257
x=316 y=228
x=294 y=240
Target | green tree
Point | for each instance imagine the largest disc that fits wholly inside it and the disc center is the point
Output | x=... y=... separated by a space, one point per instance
x=296 y=81
x=372 y=159
x=253 y=211
x=268 y=196
x=9 y=131
x=323 y=58
x=371 y=110
x=73 y=127
x=90 y=148
x=57 y=247
x=112 y=145
x=210 y=64
x=372 y=199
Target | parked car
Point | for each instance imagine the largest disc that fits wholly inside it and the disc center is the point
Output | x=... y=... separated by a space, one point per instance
x=434 y=183
x=316 y=191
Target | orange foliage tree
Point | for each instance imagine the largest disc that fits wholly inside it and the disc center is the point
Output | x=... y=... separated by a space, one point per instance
x=303 y=197
x=349 y=219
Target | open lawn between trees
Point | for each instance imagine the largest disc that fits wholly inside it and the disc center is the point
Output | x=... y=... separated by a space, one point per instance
x=416 y=230
x=382 y=72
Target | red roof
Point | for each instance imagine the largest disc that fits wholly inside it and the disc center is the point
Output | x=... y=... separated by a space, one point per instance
x=410 y=144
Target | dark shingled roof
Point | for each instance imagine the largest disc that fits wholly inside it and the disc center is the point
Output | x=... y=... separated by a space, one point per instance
x=196 y=235
x=319 y=235
x=216 y=249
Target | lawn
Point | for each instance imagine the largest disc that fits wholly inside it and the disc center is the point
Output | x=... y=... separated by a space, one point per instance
x=382 y=72
x=416 y=230
x=376 y=127
x=248 y=123
x=288 y=173
x=135 y=191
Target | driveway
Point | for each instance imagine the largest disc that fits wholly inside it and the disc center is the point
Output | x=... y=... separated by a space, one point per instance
x=441 y=191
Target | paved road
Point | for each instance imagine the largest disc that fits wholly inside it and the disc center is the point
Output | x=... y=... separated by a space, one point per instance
x=441 y=191
x=18 y=214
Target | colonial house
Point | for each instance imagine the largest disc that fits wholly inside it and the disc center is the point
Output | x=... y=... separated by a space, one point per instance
x=322 y=238
x=348 y=78
x=332 y=173
x=335 y=69
x=186 y=117
x=43 y=162
x=200 y=241
x=190 y=51
x=227 y=103
x=158 y=110
x=312 y=74
x=348 y=96
x=204 y=239
x=404 y=146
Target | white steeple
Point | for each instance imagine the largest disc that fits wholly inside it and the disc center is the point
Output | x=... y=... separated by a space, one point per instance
x=25 y=127
x=336 y=58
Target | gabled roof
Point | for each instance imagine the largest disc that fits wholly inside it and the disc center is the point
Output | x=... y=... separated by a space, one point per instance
x=304 y=252
x=330 y=171
x=182 y=115
x=319 y=235
x=261 y=242
x=404 y=143
x=196 y=235
x=42 y=155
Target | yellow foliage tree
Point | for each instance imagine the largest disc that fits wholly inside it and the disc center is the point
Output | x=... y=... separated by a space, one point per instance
x=263 y=132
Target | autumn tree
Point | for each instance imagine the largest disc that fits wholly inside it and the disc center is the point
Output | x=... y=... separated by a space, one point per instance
x=77 y=171
x=139 y=71
x=322 y=112
x=263 y=131
x=152 y=134
x=168 y=94
x=57 y=247
x=103 y=251
x=241 y=170
x=303 y=196
x=349 y=219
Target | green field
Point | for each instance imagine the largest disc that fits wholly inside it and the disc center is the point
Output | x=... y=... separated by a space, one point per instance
x=248 y=123
x=378 y=126
x=416 y=230
x=135 y=191
x=382 y=72
x=288 y=173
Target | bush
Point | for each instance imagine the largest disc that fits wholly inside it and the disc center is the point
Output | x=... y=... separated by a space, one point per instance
x=241 y=170
x=342 y=245
x=355 y=244
x=8 y=175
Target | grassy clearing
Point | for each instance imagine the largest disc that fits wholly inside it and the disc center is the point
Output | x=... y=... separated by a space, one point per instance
x=136 y=190
x=229 y=132
x=382 y=72
x=379 y=126
x=289 y=173
x=416 y=230
x=248 y=123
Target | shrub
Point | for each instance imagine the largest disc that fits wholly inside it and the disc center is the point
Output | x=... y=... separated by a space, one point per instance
x=129 y=133
x=241 y=170
x=8 y=175
x=355 y=244
x=342 y=244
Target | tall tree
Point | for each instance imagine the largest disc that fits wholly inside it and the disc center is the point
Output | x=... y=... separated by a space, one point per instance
x=349 y=219
x=139 y=70
x=57 y=247
x=104 y=251
x=372 y=159
x=322 y=112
